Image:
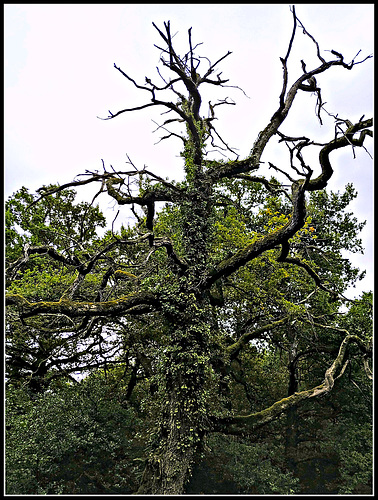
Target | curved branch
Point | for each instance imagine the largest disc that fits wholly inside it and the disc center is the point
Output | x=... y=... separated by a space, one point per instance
x=368 y=371
x=346 y=140
x=175 y=64
x=267 y=242
x=242 y=424
x=94 y=177
x=127 y=110
x=235 y=348
x=230 y=169
x=291 y=260
x=237 y=167
x=299 y=188
x=40 y=250
x=168 y=245
x=272 y=188
x=285 y=59
x=150 y=196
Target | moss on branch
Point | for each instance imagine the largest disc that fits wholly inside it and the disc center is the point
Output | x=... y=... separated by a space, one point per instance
x=268 y=241
x=241 y=424
x=233 y=349
x=133 y=303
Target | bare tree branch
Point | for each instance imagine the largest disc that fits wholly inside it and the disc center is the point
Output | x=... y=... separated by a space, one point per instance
x=236 y=347
x=248 y=423
x=135 y=303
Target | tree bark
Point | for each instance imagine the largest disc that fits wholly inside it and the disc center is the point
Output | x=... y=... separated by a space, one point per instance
x=182 y=417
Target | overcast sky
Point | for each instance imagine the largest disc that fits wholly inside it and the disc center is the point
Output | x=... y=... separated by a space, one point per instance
x=59 y=78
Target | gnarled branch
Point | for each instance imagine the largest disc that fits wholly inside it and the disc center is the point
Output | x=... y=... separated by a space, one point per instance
x=244 y=424
x=134 y=303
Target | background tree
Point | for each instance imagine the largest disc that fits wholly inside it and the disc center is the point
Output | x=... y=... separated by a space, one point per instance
x=79 y=438
x=232 y=259
x=57 y=228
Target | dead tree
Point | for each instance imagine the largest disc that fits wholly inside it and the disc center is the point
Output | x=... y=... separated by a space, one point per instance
x=184 y=298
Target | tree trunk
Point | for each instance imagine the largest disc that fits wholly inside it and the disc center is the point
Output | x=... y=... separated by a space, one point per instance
x=182 y=418
x=168 y=470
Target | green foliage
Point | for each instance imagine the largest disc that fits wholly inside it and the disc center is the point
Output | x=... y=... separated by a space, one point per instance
x=338 y=229
x=360 y=317
x=73 y=440
x=255 y=468
x=356 y=459
x=55 y=220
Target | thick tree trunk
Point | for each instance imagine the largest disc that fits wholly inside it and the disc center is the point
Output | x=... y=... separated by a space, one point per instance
x=168 y=470
x=182 y=419
x=184 y=369
x=177 y=441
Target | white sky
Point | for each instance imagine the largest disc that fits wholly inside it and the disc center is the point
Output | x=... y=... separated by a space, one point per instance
x=59 y=77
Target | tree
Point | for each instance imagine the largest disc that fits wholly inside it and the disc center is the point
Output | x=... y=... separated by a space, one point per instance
x=170 y=286
x=79 y=438
x=36 y=352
